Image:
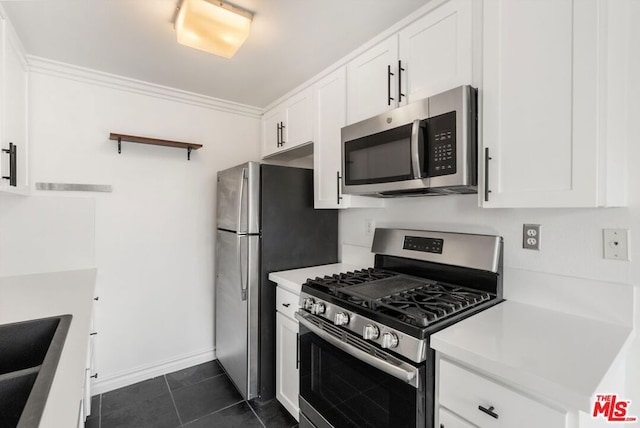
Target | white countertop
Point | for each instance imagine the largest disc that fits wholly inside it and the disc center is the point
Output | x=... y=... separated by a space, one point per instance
x=292 y=280
x=28 y=297
x=560 y=356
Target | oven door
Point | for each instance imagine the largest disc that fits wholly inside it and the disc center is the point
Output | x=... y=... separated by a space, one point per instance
x=385 y=161
x=341 y=386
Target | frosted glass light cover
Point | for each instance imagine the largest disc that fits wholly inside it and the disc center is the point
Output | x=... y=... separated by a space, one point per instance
x=212 y=26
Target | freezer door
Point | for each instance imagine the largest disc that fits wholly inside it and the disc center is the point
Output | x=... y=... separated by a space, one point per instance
x=236 y=303
x=239 y=198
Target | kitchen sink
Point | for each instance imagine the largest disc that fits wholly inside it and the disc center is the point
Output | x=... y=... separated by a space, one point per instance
x=29 y=355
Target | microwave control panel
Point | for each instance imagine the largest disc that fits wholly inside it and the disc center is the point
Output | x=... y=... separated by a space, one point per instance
x=441 y=145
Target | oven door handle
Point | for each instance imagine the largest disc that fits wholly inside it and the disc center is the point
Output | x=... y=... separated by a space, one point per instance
x=398 y=369
x=415 y=149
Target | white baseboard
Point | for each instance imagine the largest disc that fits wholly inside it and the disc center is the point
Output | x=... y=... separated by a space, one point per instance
x=129 y=377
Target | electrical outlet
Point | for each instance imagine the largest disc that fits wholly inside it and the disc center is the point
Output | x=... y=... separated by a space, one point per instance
x=531 y=236
x=616 y=244
x=370 y=227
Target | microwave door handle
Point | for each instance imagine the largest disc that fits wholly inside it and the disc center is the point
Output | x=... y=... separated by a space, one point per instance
x=415 y=149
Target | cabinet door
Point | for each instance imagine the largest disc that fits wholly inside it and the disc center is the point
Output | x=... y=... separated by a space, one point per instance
x=14 y=119
x=490 y=405
x=540 y=103
x=298 y=120
x=271 y=133
x=436 y=51
x=330 y=102
x=449 y=420
x=287 y=382
x=330 y=109
x=371 y=90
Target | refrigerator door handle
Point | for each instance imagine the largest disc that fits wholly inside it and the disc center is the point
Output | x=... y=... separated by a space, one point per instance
x=243 y=278
x=243 y=178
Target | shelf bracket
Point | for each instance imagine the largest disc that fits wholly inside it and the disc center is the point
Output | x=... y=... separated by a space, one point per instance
x=188 y=153
x=119 y=144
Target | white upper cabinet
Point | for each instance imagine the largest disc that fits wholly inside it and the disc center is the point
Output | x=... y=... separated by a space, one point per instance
x=330 y=114
x=371 y=86
x=288 y=125
x=436 y=51
x=549 y=66
x=431 y=55
x=13 y=125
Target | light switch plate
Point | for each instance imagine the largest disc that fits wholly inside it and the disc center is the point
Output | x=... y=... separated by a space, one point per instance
x=531 y=237
x=615 y=244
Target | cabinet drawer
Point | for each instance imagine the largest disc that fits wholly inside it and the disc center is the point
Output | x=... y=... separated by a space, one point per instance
x=286 y=302
x=449 y=420
x=464 y=392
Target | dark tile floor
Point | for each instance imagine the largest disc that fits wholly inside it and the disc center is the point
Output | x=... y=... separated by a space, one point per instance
x=197 y=397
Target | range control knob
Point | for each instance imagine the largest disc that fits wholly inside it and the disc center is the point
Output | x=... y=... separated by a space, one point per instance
x=307 y=303
x=341 y=318
x=370 y=332
x=318 y=308
x=389 y=340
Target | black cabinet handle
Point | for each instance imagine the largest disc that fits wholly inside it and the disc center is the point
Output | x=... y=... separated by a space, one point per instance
x=489 y=411
x=297 y=351
x=286 y=305
x=95 y=376
x=487 y=158
x=13 y=165
x=400 y=70
x=338 y=178
x=282 y=142
x=389 y=74
x=278 y=134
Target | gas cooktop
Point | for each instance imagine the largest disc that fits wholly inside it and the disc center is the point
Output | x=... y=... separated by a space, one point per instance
x=412 y=300
x=422 y=282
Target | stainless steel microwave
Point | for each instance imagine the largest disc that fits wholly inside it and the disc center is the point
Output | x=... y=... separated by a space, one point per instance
x=426 y=147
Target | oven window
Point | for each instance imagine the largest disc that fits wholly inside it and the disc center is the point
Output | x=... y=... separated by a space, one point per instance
x=379 y=158
x=350 y=393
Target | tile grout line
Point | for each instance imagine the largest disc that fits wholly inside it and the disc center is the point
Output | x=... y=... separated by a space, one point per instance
x=172 y=399
x=217 y=411
x=254 y=412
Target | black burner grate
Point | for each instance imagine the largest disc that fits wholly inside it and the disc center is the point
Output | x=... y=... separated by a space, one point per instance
x=411 y=300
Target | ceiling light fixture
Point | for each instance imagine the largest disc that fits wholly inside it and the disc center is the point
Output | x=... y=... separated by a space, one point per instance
x=212 y=26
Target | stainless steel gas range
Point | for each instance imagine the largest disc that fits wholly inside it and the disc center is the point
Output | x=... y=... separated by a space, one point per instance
x=364 y=352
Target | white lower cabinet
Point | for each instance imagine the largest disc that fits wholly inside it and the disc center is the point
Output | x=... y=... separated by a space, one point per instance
x=287 y=378
x=488 y=404
x=449 y=420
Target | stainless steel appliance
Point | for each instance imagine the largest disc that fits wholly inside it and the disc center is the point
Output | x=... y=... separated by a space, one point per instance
x=364 y=352
x=265 y=221
x=426 y=147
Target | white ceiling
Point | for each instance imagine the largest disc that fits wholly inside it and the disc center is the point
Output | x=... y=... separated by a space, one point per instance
x=290 y=41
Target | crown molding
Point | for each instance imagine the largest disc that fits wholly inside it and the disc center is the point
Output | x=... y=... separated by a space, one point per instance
x=86 y=75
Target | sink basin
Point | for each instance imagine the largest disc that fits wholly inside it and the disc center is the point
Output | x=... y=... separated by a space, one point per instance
x=29 y=355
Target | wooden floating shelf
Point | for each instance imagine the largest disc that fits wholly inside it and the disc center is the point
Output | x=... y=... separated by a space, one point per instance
x=153 y=141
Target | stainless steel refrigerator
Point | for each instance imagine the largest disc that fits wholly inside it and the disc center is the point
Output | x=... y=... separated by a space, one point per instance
x=265 y=223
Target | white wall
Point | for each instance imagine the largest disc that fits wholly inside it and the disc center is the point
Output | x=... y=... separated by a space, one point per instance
x=45 y=234
x=154 y=239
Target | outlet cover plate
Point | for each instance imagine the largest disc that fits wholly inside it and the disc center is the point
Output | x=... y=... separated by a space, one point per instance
x=531 y=237
x=369 y=227
x=615 y=244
